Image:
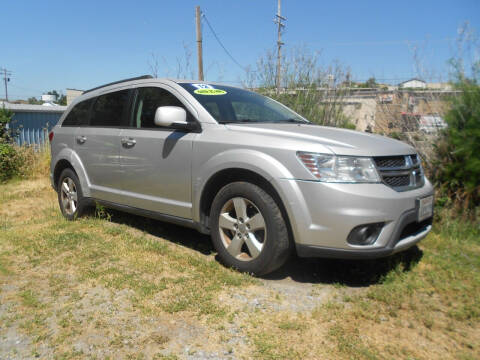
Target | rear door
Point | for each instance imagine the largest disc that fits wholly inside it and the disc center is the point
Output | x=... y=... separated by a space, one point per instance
x=98 y=144
x=156 y=161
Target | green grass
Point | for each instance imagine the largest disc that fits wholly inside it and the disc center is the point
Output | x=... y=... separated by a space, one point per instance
x=425 y=298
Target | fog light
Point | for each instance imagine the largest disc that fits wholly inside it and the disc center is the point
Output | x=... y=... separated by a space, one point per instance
x=365 y=234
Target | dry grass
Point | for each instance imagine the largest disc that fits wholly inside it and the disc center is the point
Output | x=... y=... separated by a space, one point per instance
x=36 y=162
x=127 y=287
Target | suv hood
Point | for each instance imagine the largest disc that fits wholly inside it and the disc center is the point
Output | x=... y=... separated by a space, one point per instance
x=337 y=140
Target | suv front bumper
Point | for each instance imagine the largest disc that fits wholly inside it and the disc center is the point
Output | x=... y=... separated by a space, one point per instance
x=399 y=241
x=322 y=215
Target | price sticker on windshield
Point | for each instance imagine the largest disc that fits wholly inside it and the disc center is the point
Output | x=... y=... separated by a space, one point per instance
x=205 y=89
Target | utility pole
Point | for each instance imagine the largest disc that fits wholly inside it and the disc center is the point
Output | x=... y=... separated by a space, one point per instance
x=198 y=15
x=6 y=79
x=279 y=21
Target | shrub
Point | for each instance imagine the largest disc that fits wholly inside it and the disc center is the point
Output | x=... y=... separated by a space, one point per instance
x=457 y=169
x=5 y=118
x=10 y=162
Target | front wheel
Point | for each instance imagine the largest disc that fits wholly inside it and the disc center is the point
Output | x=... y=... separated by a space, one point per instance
x=248 y=229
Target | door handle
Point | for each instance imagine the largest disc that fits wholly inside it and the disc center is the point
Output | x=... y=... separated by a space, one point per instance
x=81 y=139
x=128 y=142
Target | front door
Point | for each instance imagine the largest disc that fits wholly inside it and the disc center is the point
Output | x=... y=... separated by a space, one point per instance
x=156 y=161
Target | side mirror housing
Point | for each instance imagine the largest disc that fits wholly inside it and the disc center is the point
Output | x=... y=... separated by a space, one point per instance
x=171 y=116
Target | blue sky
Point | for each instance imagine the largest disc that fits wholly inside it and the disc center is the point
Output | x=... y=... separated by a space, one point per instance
x=65 y=44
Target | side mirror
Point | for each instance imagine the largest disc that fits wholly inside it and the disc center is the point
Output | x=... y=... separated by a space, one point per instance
x=171 y=116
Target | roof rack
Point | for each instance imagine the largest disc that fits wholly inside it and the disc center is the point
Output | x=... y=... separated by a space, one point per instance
x=120 y=81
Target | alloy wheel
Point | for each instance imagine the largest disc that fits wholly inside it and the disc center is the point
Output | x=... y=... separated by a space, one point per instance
x=242 y=229
x=69 y=196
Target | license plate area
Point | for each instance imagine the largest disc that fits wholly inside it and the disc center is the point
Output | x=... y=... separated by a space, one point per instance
x=424 y=208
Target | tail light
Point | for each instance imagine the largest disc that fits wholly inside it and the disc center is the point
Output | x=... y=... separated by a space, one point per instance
x=50 y=136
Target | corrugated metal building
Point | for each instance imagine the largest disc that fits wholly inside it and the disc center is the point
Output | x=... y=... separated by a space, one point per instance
x=32 y=123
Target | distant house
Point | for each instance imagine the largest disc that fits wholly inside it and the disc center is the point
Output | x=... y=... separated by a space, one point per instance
x=32 y=123
x=413 y=84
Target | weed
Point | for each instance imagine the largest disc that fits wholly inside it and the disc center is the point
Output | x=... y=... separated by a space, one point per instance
x=29 y=298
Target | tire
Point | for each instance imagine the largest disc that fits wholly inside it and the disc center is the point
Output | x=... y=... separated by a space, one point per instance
x=70 y=198
x=248 y=229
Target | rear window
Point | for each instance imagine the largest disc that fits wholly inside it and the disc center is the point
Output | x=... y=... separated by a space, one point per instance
x=109 y=109
x=79 y=115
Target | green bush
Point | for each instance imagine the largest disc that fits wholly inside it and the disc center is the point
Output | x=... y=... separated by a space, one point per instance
x=456 y=171
x=10 y=162
x=5 y=118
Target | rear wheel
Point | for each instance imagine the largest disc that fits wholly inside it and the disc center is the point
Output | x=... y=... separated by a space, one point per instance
x=70 y=196
x=248 y=229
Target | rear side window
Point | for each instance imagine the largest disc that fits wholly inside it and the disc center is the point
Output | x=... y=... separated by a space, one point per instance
x=148 y=100
x=79 y=115
x=109 y=109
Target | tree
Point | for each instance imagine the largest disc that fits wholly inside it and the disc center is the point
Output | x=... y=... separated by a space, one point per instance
x=54 y=92
x=34 y=101
x=371 y=83
x=62 y=100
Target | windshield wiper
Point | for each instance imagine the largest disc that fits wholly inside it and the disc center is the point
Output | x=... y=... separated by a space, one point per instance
x=292 y=120
x=240 y=121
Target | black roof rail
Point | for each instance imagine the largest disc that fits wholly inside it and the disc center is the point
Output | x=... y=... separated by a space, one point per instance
x=120 y=81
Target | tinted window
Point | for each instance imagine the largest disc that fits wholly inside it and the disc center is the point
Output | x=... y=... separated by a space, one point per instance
x=79 y=115
x=109 y=109
x=148 y=100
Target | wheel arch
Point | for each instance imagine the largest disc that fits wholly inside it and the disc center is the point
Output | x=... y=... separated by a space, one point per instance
x=227 y=176
x=67 y=158
x=61 y=165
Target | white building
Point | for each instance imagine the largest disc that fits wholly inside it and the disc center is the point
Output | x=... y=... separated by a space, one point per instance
x=413 y=84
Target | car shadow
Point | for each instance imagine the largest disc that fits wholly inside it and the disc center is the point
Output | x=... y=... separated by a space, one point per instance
x=179 y=235
x=352 y=273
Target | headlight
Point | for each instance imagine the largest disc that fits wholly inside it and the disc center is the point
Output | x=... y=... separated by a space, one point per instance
x=340 y=169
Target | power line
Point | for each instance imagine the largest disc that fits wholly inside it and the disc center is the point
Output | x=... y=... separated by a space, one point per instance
x=25 y=88
x=221 y=44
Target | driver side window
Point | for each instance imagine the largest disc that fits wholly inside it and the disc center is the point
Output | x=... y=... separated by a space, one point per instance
x=147 y=101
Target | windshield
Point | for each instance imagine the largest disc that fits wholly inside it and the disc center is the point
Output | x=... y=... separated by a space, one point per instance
x=233 y=105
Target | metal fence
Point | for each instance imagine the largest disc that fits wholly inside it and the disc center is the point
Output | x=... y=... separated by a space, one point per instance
x=32 y=128
x=32 y=137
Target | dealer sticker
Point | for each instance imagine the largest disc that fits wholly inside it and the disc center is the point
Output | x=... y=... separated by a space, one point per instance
x=210 y=92
x=205 y=89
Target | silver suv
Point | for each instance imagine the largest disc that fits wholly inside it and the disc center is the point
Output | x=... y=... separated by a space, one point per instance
x=259 y=178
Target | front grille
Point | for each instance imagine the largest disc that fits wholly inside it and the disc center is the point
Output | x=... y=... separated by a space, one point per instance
x=401 y=173
x=390 y=161
x=396 y=181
